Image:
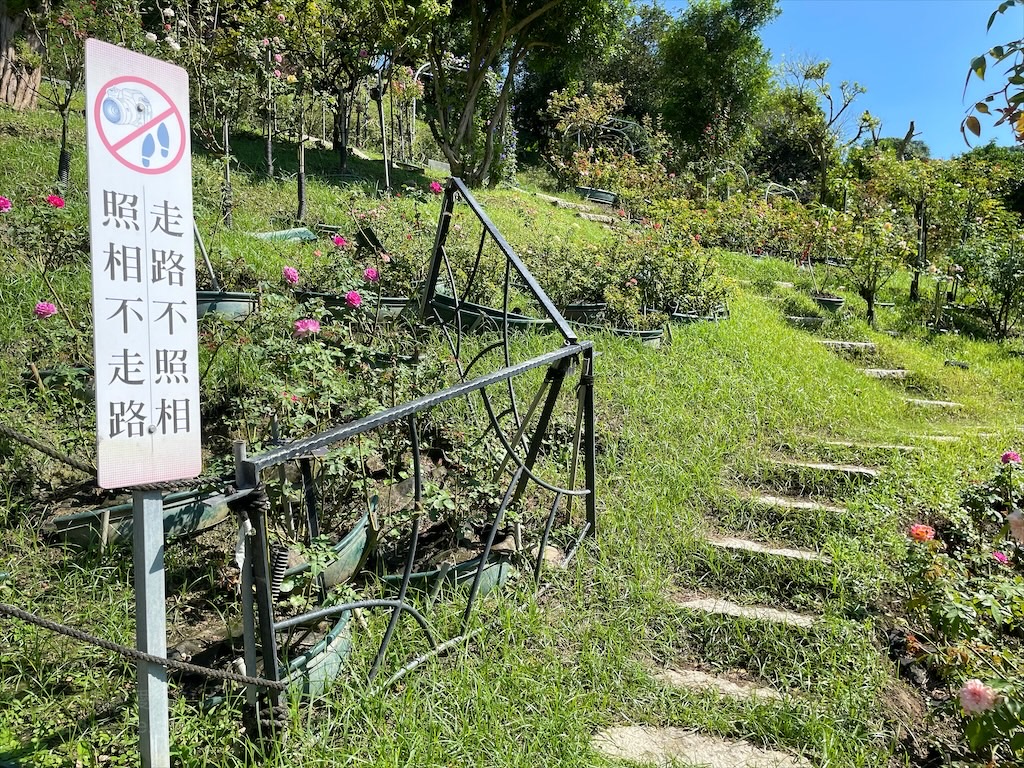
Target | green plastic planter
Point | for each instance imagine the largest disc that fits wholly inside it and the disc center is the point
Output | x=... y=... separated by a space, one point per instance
x=476 y=317
x=231 y=303
x=185 y=513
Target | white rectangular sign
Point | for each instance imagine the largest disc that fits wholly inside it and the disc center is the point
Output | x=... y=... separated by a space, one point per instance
x=143 y=268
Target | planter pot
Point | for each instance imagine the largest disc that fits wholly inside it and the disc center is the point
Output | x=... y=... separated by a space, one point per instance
x=230 y=303
x=495 y=573
x=811 y=323
x=312 y=673
x=603 y=196
x=831 y=303
x=720 y=313
x=185 y=513
x=390 y=306
x=476 y=317
x=348 y=554
x=592 y=312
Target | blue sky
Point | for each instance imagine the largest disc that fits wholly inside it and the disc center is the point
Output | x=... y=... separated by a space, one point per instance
x=911 y=55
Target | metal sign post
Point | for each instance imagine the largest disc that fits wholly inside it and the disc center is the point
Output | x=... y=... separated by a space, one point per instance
x=144 y=320
x=151 y=628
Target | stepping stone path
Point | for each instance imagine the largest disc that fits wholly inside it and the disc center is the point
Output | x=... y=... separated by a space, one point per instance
x=850 y=470
x=856 y=347
x=675 y=746
x=719 y=607
x=932 y=403
x=696 y=680
x=745 y=545
x=885 y=373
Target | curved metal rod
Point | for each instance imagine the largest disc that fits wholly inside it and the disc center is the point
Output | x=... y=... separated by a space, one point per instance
x=475 y=360
x=519 y=463
x=544 y=537
x=476 y=264
x=334 y=610
x=444 y=647
x=508 y=358
x=414 y=437
x=487 y=548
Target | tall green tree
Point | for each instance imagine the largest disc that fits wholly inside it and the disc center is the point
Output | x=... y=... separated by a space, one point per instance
x=475 y=54
x=714 y=72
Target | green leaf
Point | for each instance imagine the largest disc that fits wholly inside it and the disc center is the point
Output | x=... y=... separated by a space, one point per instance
x=978 y=66
x=973 y=125
x=982 y=107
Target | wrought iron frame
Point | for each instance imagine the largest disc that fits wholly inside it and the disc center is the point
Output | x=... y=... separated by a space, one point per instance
x=258 y=597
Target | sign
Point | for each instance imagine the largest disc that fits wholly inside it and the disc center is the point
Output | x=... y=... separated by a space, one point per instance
x=143 y=268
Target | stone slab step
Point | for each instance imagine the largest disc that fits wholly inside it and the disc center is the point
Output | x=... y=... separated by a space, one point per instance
x=871 y=446
x=885 y=373
x=600 y=218
x=745 y=545
x=849 y=346
x=791 y=502
x=919 y=403
x=850 y=470
x=720 y=607
x=678 y=746
x=696 y=680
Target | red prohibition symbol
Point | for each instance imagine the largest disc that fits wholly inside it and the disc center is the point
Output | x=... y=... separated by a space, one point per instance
x=155 y=139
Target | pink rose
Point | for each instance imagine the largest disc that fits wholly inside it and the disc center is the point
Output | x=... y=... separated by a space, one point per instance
x=1010 y=457
x=436 y=187
x=317 y=253
x=5 y=204
x=290 y=275
x=306 y=327
x=44 y=309
x=371 y=274
x=278 y=58
x=921 y=533
x=58 y=202
x=340 y=241
x=976 y=697
x=264 y=42
x=280 y=17
x=353 y=299
x=277 y=73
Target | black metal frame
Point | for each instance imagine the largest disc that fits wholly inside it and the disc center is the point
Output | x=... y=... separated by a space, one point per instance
x=559 y=363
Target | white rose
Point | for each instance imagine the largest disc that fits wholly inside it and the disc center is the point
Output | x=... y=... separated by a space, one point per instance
x=174 y=45
x=151 y=37
x=169 y=13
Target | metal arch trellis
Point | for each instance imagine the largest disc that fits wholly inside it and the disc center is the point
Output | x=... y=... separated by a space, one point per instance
x=517 y=457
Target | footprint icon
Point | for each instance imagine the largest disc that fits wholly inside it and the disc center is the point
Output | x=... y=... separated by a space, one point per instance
x=164 y=138
x=148 y=148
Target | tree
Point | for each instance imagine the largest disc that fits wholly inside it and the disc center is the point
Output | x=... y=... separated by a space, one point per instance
x=823 y=118
x=714 y=72
x=780 y=151
x=21 y=54
x=468 y=119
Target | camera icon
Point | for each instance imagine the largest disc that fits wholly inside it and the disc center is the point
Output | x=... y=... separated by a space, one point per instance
x=127 y=106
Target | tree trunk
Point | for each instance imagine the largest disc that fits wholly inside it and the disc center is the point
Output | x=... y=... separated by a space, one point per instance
x=869 y=297
x=19 y=76
x=342 y=113
x=300 y=177
x=226 y=196
x=921 y=216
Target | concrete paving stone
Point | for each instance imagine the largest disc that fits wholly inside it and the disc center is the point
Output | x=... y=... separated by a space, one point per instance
x=853 y=470
x=745 y=545
x=718 y=606
x=697 y=680
x=677 y=746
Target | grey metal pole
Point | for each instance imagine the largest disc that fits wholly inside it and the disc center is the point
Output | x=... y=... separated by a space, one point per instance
x=247 y=585
x=151 y=628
